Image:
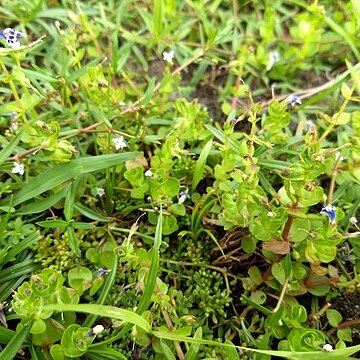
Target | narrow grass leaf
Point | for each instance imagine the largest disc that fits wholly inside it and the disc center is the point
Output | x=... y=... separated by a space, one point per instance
x=147 y=97
x=43 y=204
x=158 y=18
x=69 y=202
x=59 y=174
x=340 y=31
x=194 y=348
x=220 y=135
x=98 y=115
x=6 y=335
x=200 y=164
x=49 y=224
x=151 y=276
x=7 y=288
x=167 y=351
x=17 y=270
x=105 y=311
x=73 y=241
x=10 y=147
x=21 y=246
x=91 y=214
x=104 y=353
x=79 y=73
x=339 y=354
x=11 y=349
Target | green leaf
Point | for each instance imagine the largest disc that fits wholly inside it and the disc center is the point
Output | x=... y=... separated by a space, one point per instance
x=344 y=334
x=231 y=352
x=73 y=241
x=200 y=164
x=6 y=335
x=104 y=311
x=48 y=224
x=98 y=115
x=167 y=351
x=104 y=353
x=194 y=348
x=147 y=97
x=44 y=204
x=57 y=175
x=82 y=225
x=11 y=349
x=10 y=147
x=80 y=278
x=91 y=214
x=158 y=18
x=334 y=317
x=21 y=246
x=339 y=354
x=340 y=31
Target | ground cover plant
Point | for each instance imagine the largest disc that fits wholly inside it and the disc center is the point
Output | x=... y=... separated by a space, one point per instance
x=179 y=179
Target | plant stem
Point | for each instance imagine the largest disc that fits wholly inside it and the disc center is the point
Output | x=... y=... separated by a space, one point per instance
x=333 y=178
x=282 y=294
x=335 y=119
x=287 y=227
x=14 y=91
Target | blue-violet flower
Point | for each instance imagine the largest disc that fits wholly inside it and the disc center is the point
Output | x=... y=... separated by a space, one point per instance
x=12 y=37
x=330 y=211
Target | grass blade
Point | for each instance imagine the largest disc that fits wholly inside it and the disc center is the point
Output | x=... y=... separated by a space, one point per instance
x=43 y=204
x=339 y=354
x=73 y=242
x=194 y=348
x=91 y=214
x=61 y=173
x=200 y=165
x=21 y=246
x=6 y=335
x=106 y=311
x=16 y=342
x=340 y=31
x=10 y=147
x=14 y=271
x=167 y=351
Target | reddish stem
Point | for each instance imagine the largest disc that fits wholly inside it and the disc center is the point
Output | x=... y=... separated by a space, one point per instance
x=286 y=231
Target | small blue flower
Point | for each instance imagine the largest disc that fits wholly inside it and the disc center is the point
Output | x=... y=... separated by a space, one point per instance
x=183 y=196
x=12 y=37
x=293 y=100
x=330 y=212
x=102 y=272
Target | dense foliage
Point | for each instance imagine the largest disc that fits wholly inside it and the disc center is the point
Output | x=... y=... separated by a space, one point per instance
x=179 y=179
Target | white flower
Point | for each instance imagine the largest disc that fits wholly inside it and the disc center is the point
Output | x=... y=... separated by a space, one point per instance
x=119 y=142
x=353 y=220
x=327 y=347
x=96 y=330
x=18 y=169
x=183 y=196
x=311 y=125
x=149 y=173
x=100 y=192
x=169 y=56
x=274 y=57
x=293 y=100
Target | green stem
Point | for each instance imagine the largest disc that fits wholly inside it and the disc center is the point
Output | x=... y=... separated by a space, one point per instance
x=14 y=91
x=342 y=108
